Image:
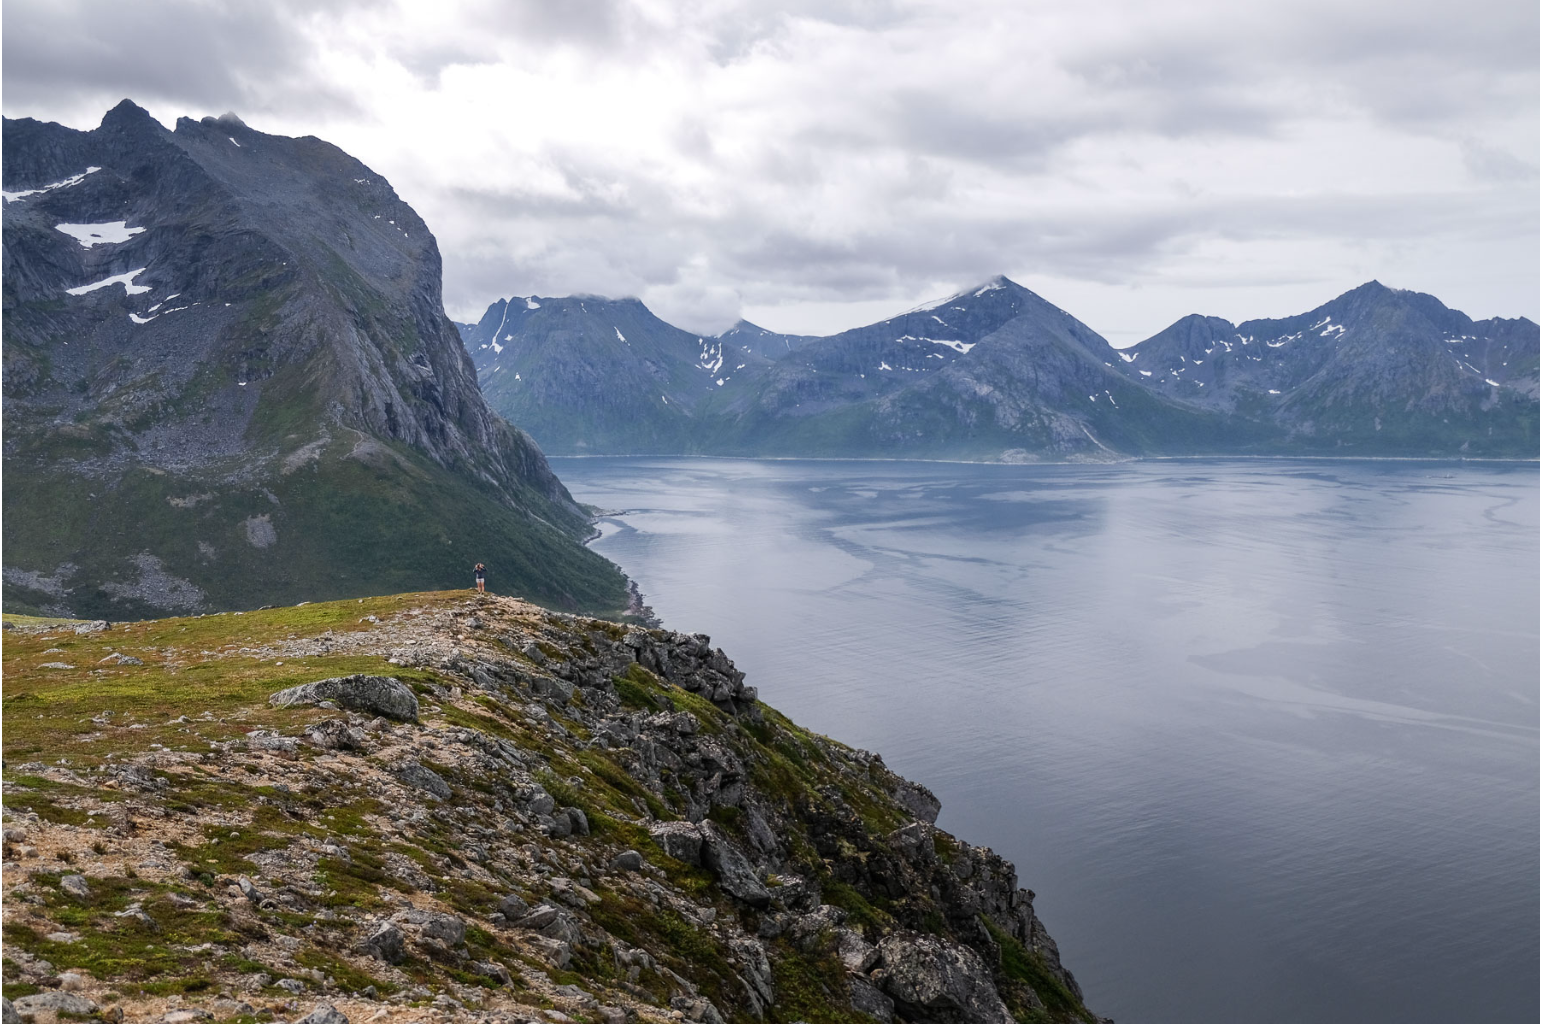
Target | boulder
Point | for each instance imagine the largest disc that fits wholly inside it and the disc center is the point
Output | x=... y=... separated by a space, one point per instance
x=386 y=943
x=185 y=1015
x=335 y=734
x=538 y=918
x=418 y=777
x=805 y=929
x=733 y=870
x=375 y=695
x=927 y=975
x=627 y=860
x=512 y=907
x=272 y=743
x=554 y=923
x=865 y=998
x=679 y=839
x=540 y=802
x=856 y=953
x=555 y=952
x=59 y=1002
x=447 y=928
x=324 y=1013
x=10 y=1016
x=76 y=886
x=493 y=969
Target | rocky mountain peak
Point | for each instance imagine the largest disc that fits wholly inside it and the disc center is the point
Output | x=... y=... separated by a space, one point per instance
x=219 y=311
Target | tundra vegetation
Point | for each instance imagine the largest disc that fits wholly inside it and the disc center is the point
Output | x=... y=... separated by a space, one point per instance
x=427 y=806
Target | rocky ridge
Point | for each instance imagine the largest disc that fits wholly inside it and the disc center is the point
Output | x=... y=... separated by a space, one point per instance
x=430 y=807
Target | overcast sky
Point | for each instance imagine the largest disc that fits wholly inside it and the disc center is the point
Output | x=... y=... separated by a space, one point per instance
x=817 y=165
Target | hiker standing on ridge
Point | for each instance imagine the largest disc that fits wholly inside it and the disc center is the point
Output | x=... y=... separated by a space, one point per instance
x=481 y=575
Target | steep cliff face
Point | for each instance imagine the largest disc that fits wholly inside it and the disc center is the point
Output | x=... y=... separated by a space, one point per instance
x=482 y=807
x=229 y=377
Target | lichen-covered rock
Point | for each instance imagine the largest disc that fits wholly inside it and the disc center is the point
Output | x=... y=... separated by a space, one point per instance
x=733 y=870
x=336 y=734
x=679 y=839
x=928 y=975
x=917 y=799
x=426 y=779
x=446 y=928
x=58 y=1002
x=324 y=1013
x=374 y=695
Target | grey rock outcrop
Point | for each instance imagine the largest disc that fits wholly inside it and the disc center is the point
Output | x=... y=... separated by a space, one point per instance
x=681 y=840
x=324 y=1013
x=58 y=1002
x=926 y=975
x=386 y=943
x=734 y=872
x=918 y=800
x=374 y=695
x=426 y=779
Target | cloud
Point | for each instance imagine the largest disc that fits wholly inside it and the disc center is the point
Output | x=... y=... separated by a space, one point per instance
x=739 y=153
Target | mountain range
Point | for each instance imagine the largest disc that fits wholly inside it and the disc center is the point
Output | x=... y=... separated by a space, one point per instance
x=229 y=380
x=998 y=373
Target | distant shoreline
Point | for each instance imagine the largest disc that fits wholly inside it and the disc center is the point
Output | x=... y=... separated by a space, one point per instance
x=1108 y=462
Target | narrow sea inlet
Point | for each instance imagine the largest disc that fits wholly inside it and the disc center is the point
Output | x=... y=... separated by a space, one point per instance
x=1263 y=735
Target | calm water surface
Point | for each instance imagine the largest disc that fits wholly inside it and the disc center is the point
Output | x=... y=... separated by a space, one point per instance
x=1262 y=735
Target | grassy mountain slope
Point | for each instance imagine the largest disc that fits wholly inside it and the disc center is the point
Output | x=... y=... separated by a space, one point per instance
x=583 y=817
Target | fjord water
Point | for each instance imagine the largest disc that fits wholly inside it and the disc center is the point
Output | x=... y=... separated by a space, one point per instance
x=1263 y=735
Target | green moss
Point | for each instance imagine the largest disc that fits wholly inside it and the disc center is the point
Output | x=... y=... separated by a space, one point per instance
x=348 y=977
x=1021 y=965
x=111 y=947
x=860 y=910
x=812 y=988
x=639 y=689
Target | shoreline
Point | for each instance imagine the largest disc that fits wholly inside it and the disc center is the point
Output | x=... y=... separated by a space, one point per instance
x=1079 y=462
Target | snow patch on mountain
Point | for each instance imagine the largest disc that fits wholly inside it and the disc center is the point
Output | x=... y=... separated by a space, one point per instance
x=108 y=233
x=957 y=346
x=11 y=197
x=126 y=280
